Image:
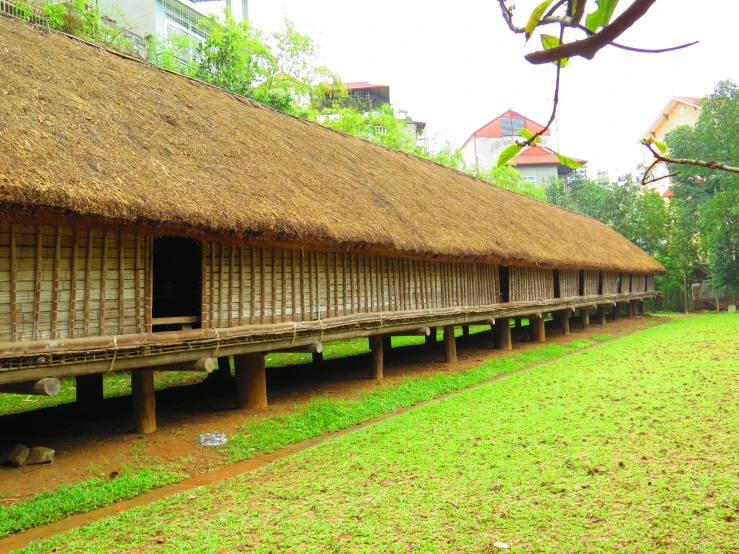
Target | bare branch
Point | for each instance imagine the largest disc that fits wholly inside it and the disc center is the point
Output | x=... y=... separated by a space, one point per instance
x=589 y=47
x=685 y=161
x=508 y=16
x=654 y=50
x=643 y=182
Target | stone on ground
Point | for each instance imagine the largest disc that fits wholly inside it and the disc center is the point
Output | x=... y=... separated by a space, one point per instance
x=40 y=455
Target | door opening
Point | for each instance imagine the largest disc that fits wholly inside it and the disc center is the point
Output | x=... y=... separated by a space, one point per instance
x=177 y=301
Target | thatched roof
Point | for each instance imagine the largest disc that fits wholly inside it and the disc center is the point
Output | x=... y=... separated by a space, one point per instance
x=106 y=140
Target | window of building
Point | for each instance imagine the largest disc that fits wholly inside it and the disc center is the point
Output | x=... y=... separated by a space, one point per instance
x=530 y=179
x=510 y=126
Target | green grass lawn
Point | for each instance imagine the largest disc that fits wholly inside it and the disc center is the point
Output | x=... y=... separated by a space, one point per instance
x=632 y=445
x=119 y=384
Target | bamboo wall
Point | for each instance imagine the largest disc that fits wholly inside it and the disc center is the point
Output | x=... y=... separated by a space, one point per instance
x=257 y=285
x=591 y=281
x=650 y=283
x=638 y=283
x=62 y=283
x=531 y=283
x=610 y=282
x=569 y=283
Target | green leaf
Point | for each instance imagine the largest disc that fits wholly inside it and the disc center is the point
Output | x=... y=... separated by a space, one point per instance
x=549 y=42
x=535 y=17
x=507 y=155
x=569 y=162
x=602 y=16
x=525 y=133
x=661 y=145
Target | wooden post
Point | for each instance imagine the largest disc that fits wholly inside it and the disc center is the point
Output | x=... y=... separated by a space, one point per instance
x=317 y=358
x=89 y=389
x=431 y=337
x=537 y=323
x=465 y=330
x=377 y=346
x=450 y=344
x=46 y=386
x=630 y=309
x=640 y=308
x=617 y=312
x=144 y=402
x=602 y=314
x=564 y=318
x=585 y=316
x=503 y=334
x=251 y=381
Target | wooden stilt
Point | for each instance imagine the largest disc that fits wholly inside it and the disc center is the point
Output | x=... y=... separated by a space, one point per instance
x=89 y=389
x=539 y=332
x=630 y=309
x=503 y=334
x=642 y=308
x=617 y=312
x=585 y=316
x=377 y=346
x=431 y=337
x=602 y=314
x=564 y=318
x=465 y=330
x=450 y=344
x=251 y=381
x=144 y=402
x=317 y=357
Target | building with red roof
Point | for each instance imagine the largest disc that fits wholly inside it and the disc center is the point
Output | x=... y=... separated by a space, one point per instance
x=535 y=164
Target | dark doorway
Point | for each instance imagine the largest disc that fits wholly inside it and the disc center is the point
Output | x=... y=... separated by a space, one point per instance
x=582 y=283
x=600 y=283
x=177 y=279
x=557 y=289
x=505 y=279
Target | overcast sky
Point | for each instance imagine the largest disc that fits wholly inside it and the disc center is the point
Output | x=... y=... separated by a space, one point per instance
x=456 y=66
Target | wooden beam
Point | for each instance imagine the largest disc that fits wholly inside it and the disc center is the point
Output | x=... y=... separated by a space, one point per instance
x=89 y=389
x=144 y=401
x=503 y=334
x=251 y=381
x=175 y=320
x=602 y=314
x=203 y=365
x=450 y=344
x=421 y=331
x=377 y=365
x=48 y=386
x=585 y=316
x=310 y=348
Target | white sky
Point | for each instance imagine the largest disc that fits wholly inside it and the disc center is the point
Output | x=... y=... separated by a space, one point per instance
x=456 y=66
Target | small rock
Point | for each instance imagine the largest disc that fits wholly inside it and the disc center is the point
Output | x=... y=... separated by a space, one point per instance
x=501 y=546
x=40 y=455
x=17 y=456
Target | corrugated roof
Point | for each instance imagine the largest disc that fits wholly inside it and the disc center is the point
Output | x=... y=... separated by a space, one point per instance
x=534 y=155
x=106 y=140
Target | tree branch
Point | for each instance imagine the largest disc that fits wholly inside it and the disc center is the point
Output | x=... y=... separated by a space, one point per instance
x=659 y=157
x=588 y=47
x=508 y=16
x=642 y=50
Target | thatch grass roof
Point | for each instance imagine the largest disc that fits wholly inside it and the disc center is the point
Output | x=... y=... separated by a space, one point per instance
x=106 y=140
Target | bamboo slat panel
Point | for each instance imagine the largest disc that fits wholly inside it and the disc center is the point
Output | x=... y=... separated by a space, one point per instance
x=52 y=283
x=638 y=282
x=591 y=281
x=569 y=283
x=650 y=283
x=531 y=283
x=266 y=285
x=610 y=282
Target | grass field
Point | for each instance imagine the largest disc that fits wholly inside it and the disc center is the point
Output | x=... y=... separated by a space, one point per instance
x=631 y=445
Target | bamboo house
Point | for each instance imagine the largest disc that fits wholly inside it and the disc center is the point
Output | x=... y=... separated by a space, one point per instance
x=149 y=221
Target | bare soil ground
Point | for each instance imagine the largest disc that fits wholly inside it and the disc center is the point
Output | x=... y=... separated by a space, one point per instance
x=101 y=443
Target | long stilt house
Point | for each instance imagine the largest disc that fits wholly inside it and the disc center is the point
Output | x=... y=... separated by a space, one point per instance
x=149 y=221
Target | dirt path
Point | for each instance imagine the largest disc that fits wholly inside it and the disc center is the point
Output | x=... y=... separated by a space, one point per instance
x=102 y=443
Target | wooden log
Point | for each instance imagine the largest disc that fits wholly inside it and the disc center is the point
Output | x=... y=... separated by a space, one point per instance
x=585 y=316
x=602 y=314
x=450 y=344
x=503 y=334
x=539 y=329
x=310 y=348
x=421 y=331
x=251 y=381
x=48 y=386
x=89 y=389
x=144 y=401
x=203 y=365
x=377 y=348
x=564 y=318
